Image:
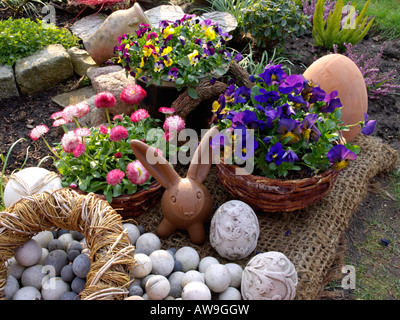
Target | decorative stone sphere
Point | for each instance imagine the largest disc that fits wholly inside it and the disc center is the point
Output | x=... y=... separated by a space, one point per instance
x=206 y=262
x=162 y=261
x=236 y=272
x=66 y=239
x=29 y=181
x=33 y=276
x=157 y=287
x=27 y=293
x=11 y=287
x=14 y=268
x=192 y=275
x=196 y=290
x=340 y=73
x=133 y=231
x=269 y=276
x=234 y=230
x=54 y=288
x=175 y=281
x=148 y=242
x=217 y=277
x=29 y=253
x=230 y=293
x=143 y=265
x=189 y=258
x=43 y=238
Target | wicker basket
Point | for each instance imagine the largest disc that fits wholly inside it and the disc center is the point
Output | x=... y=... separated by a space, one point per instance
x=133 y=205
x=273 y=195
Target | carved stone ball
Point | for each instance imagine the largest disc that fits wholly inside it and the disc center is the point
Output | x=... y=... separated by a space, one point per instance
x=234 y=230
x=157 y=287
x=269 y=276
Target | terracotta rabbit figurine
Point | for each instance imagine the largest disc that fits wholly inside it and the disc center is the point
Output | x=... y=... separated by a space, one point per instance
x=186 y=202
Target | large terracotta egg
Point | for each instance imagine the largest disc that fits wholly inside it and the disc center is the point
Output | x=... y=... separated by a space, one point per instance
x=340 y=73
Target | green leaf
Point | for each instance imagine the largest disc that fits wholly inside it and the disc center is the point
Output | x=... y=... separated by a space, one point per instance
x=192 y=93
x=179 y=81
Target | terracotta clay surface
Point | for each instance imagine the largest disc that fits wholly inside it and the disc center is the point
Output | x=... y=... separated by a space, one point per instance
x=100 y=45
x=186 y=202
x=340 y=73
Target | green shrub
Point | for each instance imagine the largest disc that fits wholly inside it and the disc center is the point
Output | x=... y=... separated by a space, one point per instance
x=329 y=32
x=272 y=21
x=22 y=37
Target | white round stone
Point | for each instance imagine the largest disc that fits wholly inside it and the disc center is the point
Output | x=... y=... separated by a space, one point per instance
x=188 y=257
x=11 y=287
x=43 y=238
x=143 y=265
x=157 y=287
x=53 y=288
x=192 y=275
x=278 y=274
x=230 y=293
x=14 y=268
x=217 y=277
x=133 y=231
x=206 y=262
x=234 y=230
x=236 y=272
x=33 y=276
x=163 y=262
x=45 y=253
x=148 y=242
x=175 y=281
x=66 y=239
x=196 y=290
x=32 y=183
x=29 y=253
x=27 y=293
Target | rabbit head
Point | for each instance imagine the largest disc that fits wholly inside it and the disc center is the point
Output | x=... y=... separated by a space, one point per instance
x=186 y=202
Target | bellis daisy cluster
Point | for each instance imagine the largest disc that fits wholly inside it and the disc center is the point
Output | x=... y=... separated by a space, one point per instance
x=100 y=159
x=284 y=124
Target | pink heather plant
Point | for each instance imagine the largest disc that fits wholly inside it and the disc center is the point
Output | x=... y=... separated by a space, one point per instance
x=378 y=83
x=100 y=159
x=309 y=7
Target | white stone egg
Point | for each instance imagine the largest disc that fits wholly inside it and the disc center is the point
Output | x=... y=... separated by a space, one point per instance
x=29 y=181
x=234 y=230
x=269 y=276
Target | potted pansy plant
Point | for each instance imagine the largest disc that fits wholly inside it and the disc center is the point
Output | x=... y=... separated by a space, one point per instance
x=176 y=53
x=100 y=159
x=281 y=139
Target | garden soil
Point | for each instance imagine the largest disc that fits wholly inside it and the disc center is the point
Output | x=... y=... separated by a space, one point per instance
x=19 y=115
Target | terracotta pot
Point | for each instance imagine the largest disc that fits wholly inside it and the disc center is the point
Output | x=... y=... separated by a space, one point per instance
x=338 y=72
x=273 y=195
x=133 y=205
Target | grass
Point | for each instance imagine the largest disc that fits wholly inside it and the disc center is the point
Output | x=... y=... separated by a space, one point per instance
x=387 y=16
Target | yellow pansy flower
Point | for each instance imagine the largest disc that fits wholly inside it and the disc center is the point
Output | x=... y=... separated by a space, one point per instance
x=167 y=31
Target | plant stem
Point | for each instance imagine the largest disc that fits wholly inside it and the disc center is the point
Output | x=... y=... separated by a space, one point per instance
x=108 y=118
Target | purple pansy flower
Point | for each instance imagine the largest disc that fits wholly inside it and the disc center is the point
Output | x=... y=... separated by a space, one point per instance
x=275 y=154
x=369 y=126
x=242 y=94
x=317 y=94
x=289 y=128
x=267 y=96
x=290 y=156
x=298 y=102
x=273 y=74
x=331 y=102
x=173 y=74
x=285 y=110
x=308 y=128
x=293 y=83
x=339 y=157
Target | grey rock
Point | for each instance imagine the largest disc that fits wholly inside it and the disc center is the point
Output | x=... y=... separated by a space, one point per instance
x=74 y=97
x=88 y=25
x=164 y=12
x=8 y=86
x=226 y=21
x=44 y=69
x=81 y=60
x=96 y=71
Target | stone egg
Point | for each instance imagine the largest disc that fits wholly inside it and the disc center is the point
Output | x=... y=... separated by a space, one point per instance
x=340 y=73
x=133 y=231
x=234 y=230
x=54 y=288
x=192 y=275
x=43 y=238
x=147 y=243
x=29 y=181
x=206 y=262
x=196 y=290
x=29 y=253
x=230 y=293
x=162 y=261
x=189 y=258
x=143 y=265
x=157 y=287
x=11 y=287
x=269 y=276
x=27 y=293
x=217 y=277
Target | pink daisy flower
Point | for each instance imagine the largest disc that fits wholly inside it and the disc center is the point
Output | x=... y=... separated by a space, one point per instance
x=82 y=132
x=133 y=94
x=104 y=100
x=56 y=115
x=118 y=155
x=38 y=131
x=82 y=109
x=103 y=129
x=70 y=141
x=118 y=133
x=69 y=113
x=166 y=110
x=167 y=136
x=115 y=176
x=79 y=150
x=59 y=122
x=139 y=115
x=137 y=173
x=174 y=123
x=118 y=116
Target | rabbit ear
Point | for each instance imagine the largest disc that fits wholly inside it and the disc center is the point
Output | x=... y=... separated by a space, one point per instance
x=202 y=158
x=155 y=163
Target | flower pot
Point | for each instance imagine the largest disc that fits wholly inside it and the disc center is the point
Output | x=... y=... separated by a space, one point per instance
x=274 y=195
x=133 y=205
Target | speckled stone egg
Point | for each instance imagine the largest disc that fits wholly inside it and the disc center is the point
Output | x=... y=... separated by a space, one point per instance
x=340 y=73
x=234 y=230
x=269 y=276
